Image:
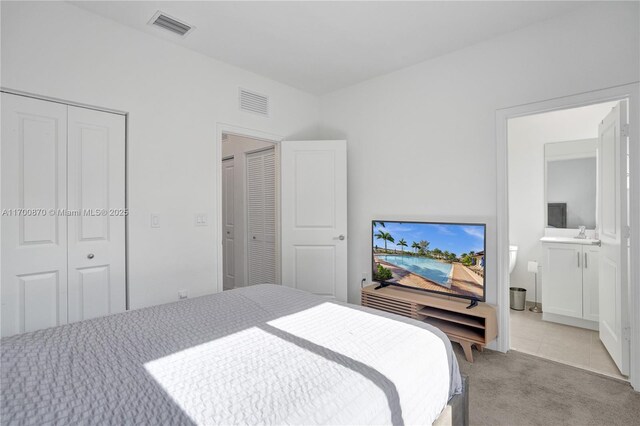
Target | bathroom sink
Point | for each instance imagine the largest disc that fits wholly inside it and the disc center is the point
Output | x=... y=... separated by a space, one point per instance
x=570 y=240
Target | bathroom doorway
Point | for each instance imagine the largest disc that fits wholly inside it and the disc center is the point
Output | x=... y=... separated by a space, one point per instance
x=565 y=202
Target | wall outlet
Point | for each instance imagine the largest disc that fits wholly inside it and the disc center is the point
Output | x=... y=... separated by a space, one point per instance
x=183 y=294
x=155 y=220
x=365 y=277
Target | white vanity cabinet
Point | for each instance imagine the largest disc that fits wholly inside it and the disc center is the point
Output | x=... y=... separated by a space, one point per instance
x=590 y=279
x=570 y=283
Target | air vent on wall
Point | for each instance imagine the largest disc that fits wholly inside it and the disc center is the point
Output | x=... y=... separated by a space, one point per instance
x=162 y=20
x=254 y=102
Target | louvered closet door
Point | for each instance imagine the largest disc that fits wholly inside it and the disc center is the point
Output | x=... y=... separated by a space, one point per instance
x=34 y=238
x=261 y=217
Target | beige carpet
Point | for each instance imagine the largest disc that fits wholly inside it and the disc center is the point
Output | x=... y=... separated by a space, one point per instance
x=519 y=389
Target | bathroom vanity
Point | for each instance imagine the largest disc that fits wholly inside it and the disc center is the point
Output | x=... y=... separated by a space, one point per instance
x=570 y=281
x=570 y=255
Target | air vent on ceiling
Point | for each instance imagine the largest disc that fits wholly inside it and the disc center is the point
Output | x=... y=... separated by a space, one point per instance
x=162 y=20
x=254 y=102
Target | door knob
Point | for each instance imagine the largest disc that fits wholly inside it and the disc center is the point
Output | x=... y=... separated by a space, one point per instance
x=90 y=256
x=341 y=237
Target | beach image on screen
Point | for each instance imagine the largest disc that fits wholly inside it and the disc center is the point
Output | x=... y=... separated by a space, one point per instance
x=446 y=258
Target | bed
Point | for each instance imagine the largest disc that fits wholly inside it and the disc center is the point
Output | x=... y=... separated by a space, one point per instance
x=265 y=354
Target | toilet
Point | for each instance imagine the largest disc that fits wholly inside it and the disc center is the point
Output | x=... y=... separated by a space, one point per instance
x=513 y=254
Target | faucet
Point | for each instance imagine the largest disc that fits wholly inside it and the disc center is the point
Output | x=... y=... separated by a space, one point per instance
x=582 y=235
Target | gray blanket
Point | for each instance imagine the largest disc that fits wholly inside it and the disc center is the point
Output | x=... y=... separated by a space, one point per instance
x=258 y=355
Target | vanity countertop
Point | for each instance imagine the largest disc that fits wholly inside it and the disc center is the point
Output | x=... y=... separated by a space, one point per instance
x=570 y=240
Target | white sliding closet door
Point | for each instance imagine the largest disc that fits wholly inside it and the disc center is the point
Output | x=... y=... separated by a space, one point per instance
x=261 y=217
x=63 y=228
x=96 y=263
x=34 y=241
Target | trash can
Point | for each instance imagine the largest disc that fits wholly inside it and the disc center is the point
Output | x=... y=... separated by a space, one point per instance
x=517 y=297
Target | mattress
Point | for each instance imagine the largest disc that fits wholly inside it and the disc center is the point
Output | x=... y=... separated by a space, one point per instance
x=265 y=354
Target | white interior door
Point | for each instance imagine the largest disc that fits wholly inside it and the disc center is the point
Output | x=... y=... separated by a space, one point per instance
x=228 y=220
x=612 y=210
x=96 y=185
x=261 y=217
x=34 y=237
x=314 y=216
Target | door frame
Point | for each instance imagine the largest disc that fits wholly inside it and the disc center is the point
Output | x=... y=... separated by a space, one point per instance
x=631 y=92
x=126 y=164
x=230 y=129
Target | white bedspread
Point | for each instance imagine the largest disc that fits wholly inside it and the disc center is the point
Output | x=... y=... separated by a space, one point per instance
x=259 y=355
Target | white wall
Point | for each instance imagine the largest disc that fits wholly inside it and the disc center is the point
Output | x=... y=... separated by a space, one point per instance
x=421 y=141
x=237 y=147
x=174 y=98
x=527 y=137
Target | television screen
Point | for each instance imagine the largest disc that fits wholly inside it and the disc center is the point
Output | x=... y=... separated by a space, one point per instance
x=446 y=258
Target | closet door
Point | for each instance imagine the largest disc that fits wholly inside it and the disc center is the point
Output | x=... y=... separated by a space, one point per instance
x=34 y=236
x=96 y=183
x=261 y=217
x=228 y=224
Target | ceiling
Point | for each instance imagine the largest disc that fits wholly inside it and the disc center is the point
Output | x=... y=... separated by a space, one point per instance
x=320 y=47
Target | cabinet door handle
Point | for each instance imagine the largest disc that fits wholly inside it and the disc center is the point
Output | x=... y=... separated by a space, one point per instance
x=585 y=261
x=578 y=259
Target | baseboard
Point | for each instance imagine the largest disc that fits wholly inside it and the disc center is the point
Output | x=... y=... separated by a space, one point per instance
x=574 y=322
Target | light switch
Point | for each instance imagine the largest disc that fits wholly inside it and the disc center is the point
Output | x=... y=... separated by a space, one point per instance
x=201 y=219
x=155 y=220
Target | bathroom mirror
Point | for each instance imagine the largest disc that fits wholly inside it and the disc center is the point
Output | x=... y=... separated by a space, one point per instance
x=570 y=184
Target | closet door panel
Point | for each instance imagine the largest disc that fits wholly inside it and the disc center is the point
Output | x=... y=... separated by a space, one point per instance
x=96 y=182
x=228 y=224
x=261 y=217
x=33 y=292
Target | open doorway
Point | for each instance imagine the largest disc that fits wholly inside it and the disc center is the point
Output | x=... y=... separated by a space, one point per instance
x=568 y=198
x=249 y=211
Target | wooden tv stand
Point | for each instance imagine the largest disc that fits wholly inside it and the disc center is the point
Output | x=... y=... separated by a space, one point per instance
x=469 y=327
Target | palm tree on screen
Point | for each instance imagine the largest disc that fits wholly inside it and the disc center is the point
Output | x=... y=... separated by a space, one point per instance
x=402 y=243
x=415 y=246
x=386 y=237
x=424 y=246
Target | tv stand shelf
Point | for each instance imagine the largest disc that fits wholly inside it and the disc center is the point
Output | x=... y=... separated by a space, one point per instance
x=469 y=327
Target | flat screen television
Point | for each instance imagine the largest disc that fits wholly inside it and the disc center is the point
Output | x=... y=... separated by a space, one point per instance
x=438 y=257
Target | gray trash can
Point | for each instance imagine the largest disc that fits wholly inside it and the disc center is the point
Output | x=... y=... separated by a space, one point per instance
x=517 y=297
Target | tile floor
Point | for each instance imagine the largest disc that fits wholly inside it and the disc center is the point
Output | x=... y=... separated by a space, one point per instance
x=569 y=345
